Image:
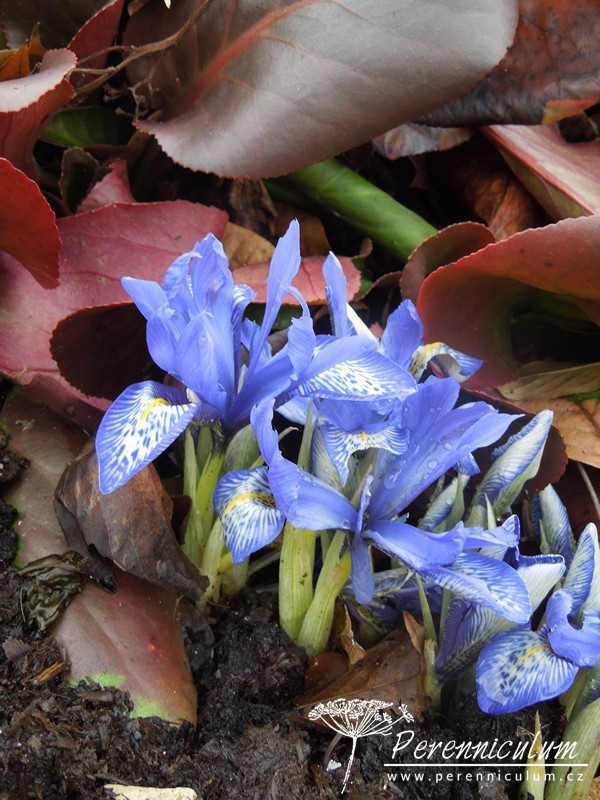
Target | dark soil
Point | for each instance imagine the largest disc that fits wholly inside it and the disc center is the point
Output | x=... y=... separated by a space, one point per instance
x=60 y=741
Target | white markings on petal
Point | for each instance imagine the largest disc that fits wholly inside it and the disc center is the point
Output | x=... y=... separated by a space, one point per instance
x=517 y=669
x=340 y=445
x=246 y=507
x=140 y=424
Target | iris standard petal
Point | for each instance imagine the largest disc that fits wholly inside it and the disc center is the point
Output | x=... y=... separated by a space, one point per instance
x=247 y=510
x=517 y=669
x=308 y=502
x=485 y=580
x=284 y=266
x=140 y=424
x=403 y=334
x=439 y=437
x=419 y=549
x=163 y=332
x=335 y=294
x=147 y=295
x=204 y=357
x=211 y=278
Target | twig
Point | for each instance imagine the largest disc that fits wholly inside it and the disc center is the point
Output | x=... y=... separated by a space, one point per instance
x=588 y=485
x=138 y=52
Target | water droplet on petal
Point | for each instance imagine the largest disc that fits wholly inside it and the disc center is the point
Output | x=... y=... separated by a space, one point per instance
x=432 y=464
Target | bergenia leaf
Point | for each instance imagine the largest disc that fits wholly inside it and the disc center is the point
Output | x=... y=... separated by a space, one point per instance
x=550 y=71
x=564 y=177
x=28 y=230
x=27 y=103
x=131 y=639
x=515 y=463
x=303 y=109
x=59 y=20
x=96 y=245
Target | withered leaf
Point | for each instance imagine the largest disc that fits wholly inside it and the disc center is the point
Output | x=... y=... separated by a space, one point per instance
x=131 y=526
x=392 y=670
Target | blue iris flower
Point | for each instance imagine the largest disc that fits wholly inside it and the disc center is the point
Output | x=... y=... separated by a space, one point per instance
x=520 y=667
x=439 y=435
x=196 y=332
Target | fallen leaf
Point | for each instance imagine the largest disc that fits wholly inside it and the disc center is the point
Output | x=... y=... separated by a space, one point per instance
x=412 y=139
x=131 y=526
x=392 y=671
x=564 y=177
x=342 y=634
x=99 y=247
x=548 y=381
x=27 y=103
x=243 y=246
x=578 y=423
x=28 y=229
x=112 y=188
x=224 y=112
x=131 y=639
x=551 y=70
x=95 y=35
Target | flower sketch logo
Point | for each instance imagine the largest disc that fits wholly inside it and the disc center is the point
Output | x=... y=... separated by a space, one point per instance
x=357 y=718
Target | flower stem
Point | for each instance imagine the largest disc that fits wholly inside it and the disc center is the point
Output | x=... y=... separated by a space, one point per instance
x=315 y=630
x=364 y=206
x=295 y=578
x=584 y=729
x=211 y=559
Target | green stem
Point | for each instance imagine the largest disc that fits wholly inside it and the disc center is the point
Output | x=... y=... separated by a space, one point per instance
x=211 y=559
x=211 y=473
x=295 y=578
x=193 y=541
x=584 y=729
x=315 y=630
x=234 y=578
x=363 y=206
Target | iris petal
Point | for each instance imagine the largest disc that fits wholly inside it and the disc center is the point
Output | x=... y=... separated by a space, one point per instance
x=340 y=445
x=419 y=549
x=308 y=502
x=140 y=424
x=246 y=507
x=518 y=669
x=485 y=580
x=147 y=295
x=403 y=334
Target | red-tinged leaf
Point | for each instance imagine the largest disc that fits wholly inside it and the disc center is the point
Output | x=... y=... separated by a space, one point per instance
x=28 y=230
x=27 y=103
x=97 y=34
x=131 y=640
x=264 y=88
x=444 y=247
x=309 y=281
x=59 y=20
x=99 y=247
x=102 y=350
x=550 y=273
x=564 y=177
x=551 y=71
x=133 y=636
x=113 y=188
x=49 y=443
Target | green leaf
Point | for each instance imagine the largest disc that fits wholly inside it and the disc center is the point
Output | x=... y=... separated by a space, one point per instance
x=87 y=127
